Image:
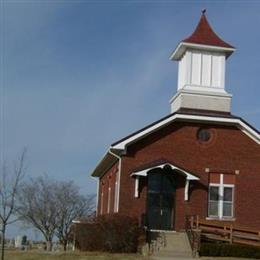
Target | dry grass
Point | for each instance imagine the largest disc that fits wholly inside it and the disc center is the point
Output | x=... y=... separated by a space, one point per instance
x=34 y=255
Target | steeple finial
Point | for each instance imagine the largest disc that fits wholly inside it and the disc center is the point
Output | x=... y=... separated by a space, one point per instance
x=203 y=11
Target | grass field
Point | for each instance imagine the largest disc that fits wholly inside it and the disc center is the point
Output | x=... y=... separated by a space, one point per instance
x=21 y=255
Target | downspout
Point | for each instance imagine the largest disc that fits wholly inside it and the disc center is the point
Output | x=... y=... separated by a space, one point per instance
x=119 y=176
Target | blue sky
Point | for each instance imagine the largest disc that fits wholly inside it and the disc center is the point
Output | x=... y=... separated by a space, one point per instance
x=76 y=76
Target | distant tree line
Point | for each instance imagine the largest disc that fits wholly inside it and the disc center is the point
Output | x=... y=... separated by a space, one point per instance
x=46 y=204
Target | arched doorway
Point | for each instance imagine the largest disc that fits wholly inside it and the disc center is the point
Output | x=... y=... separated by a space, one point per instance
x=161 y=198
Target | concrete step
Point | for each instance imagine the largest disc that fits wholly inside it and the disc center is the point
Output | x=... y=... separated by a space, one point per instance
x=172 y=253
x=177 y=246
x=171 y=258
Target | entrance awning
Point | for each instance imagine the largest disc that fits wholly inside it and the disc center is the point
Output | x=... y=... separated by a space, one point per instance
x=144 y=173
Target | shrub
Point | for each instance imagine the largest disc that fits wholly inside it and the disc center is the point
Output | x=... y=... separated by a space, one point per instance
x=222 y=249
x=112 y=233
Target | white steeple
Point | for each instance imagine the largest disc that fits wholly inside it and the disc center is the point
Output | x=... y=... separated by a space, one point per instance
x=201 y=76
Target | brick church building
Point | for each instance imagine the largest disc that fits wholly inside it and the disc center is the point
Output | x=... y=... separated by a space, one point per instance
x=198 y=160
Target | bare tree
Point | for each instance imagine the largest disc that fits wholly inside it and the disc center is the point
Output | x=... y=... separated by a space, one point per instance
x=71 y=205
x=38 y=207
x=10 y=181
x=50 y=206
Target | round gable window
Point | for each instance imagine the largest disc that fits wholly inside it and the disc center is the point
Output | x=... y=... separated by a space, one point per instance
x=203 y=135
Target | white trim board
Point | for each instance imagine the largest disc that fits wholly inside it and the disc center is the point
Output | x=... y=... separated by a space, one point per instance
x=182 y=46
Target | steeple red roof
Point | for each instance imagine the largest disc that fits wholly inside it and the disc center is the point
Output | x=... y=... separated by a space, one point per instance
x=205 y=35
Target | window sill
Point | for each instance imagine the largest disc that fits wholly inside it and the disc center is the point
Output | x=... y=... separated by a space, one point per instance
x=220 y=219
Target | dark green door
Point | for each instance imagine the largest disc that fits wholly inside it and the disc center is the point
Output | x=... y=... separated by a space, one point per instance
x=160 y=199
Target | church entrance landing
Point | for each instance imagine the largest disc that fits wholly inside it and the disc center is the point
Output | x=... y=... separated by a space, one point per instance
x=161 y=199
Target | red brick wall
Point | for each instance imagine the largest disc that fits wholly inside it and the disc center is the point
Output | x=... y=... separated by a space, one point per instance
x=229 y=150
x=107 y=181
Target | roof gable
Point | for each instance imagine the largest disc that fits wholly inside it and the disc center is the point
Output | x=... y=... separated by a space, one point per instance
x=120 y=147
x=215 y=119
